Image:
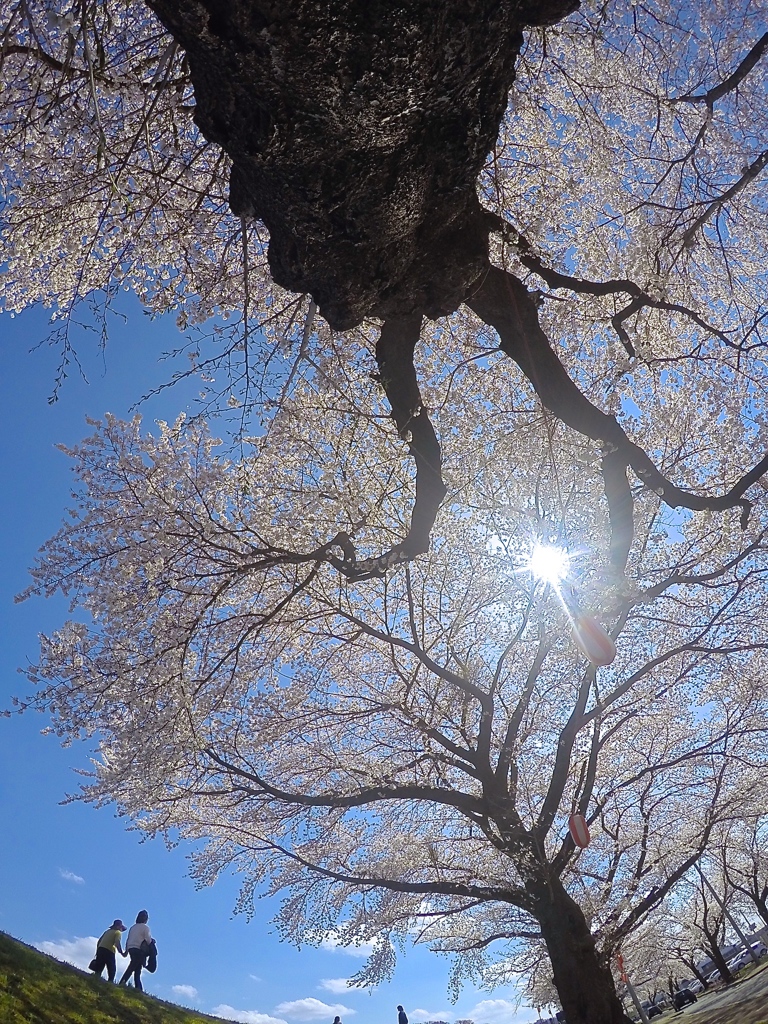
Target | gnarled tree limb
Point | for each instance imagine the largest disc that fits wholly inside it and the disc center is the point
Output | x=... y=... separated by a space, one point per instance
x=711 y=96
x=502 y=301
x=748 y=175
x=394 y=355
x=640 y=298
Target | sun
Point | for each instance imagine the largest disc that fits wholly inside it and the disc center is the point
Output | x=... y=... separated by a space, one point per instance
x=549 y=563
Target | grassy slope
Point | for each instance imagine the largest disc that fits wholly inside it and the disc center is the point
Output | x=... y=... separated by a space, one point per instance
x=739 y=1008
x=36 y=989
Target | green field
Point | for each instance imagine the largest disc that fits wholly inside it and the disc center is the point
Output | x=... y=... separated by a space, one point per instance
x=35 y=989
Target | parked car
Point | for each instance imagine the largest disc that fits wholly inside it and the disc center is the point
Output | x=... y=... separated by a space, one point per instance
x=695 y=986
x=743 y=958
x=682 y=998
x=651 y=1009
x=740 y=961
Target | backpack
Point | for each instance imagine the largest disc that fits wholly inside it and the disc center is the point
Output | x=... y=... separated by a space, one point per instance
x=149 y=949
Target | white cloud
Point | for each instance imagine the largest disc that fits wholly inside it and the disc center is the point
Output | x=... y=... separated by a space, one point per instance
x=423 y=1015
x=332 y=944
x=335 y=985
x=186 y=991
x=245 y=1016
x=312 y=1009
x=70 y=876
x=499 y=1011
x=77 y=951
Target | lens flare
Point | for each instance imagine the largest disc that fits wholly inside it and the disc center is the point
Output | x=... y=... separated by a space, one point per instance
x=552 y=565
x=593 y=641
x=549 y=563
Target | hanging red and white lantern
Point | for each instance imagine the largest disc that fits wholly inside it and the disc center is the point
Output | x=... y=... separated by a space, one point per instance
x=577 y=826
x=593 y=641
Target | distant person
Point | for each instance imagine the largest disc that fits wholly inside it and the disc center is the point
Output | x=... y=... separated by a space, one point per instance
x=337 y=1020
x=402 y=1017
x=108 y=944
x=138 y=944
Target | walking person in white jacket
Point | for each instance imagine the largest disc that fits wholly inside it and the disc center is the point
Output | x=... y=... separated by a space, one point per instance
x=137 y=934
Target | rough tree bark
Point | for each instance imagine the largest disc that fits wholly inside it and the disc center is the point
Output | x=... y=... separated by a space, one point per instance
x=356 y=131
x=584 y=983
x=718 y=959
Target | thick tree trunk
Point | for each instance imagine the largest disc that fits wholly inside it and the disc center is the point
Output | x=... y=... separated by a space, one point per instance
x=356 y=131
x=761 y=907
x=719 y=960
x=697 y=972
x=585 y=984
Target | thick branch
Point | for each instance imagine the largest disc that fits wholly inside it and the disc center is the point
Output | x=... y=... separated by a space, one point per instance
x=554 y=278
x=620 y=507
x=502 y=301
x=506 y=767
x=711 y=96
x=486 y=940
x=484 y=894
x=586 y=786
x=748 y=175
x=45 y=58
x=562 y=764
x=461 y=682
x=69 y=70
x=464 y=803
x=613 y=286
x=394 y=355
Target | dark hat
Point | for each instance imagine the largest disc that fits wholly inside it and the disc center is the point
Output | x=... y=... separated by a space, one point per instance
x=117 y=923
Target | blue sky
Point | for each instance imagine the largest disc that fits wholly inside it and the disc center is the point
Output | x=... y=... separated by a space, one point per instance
x=68 y=870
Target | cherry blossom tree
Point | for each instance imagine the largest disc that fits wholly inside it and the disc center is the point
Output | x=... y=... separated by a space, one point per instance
x=399 y=754
x=519 y=247
x=690 y=921
x=707 y=924
x=618 y=208
x=744 y=863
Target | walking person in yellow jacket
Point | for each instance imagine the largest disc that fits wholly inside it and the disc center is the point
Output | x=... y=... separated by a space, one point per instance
x=108 y=944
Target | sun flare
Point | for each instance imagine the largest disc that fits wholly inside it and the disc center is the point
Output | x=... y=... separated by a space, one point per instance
x=549 y=563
